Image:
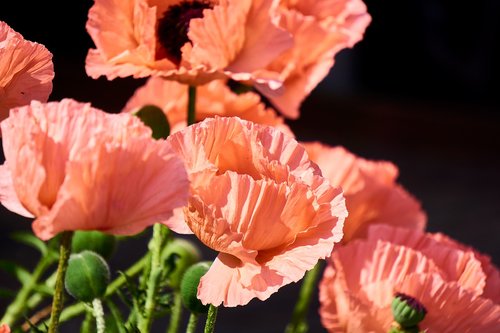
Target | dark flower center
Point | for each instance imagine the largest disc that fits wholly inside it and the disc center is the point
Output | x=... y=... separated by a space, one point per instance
x=173 y=27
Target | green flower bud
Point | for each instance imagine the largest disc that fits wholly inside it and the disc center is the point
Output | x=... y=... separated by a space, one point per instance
x=189 y=287
x=95 y=241
x=181 y=254
x=87 y=276
x=407 y=311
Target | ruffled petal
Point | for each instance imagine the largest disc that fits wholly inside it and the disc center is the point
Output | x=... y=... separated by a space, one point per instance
x=372 y=194
x=78 y=168
x=8 y=196
x=26 y=71
x=450 y=308
x=456 y=264
x=233 y=283
x=95 y=196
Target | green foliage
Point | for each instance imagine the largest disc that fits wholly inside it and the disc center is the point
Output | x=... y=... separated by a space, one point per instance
x=154 y=117
x=30 y=240
x=15 y=270
x=178 y=256
x=96 y=241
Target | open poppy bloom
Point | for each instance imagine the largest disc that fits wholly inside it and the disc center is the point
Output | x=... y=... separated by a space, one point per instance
x=370 y=188
x=4 y=329
x=258 y=200
x=26 y=71
x=212 y=99
x=74 y=167
x=192 y=41
x=458 y=288
x=320 y=29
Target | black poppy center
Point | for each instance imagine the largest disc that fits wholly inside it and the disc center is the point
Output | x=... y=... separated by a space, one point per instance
x=173 y=27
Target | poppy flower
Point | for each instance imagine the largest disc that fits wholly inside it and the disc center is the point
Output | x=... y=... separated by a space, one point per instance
x=4 y=328
x=372 y=194
x=214 y=98
x=191 y=41
x=26 y=71
x=320 y=29
x=74 y=167
x=258 y=200
x=457 y=287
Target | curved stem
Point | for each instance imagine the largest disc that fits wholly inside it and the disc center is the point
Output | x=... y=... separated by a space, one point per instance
x=156 y=244
x=99 y=315
x=191 y=119
x=15 y=309
x=58 y=300
x=298 y=324
x=176 y=314
x=211 y=318
x=192 y=323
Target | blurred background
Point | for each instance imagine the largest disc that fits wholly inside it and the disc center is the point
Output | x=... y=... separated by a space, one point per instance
x=419 y=91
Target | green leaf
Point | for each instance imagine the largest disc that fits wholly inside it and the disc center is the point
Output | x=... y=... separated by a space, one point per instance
x=44 y=289
x=17 y=271
x=6 y=293
x=30 y=240
x=115 y=319
x=154 y=117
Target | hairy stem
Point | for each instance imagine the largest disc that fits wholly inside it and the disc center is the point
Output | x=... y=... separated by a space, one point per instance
x=211 y=317
x=58 y=300
x=192 y=323
x=156 y=244
x=176 y=314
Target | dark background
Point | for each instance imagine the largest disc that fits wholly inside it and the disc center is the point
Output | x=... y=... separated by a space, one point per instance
x=419 y=90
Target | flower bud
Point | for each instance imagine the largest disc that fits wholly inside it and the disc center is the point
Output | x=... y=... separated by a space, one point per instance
x=189 y=287
x=186 y=254
x=407 y=311
x=87 y=276
x=95 y=241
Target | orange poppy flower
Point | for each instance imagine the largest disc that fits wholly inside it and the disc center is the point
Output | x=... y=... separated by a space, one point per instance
x=457 y=287
x=74 y=167
x=258 y=200
x=192 y=41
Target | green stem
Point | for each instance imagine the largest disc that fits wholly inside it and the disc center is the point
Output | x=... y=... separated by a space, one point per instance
x=156 y=244
x=192 y=323
x=211 y=317
x=21 y=302
x=298 y=324
x=58 y=300
x=88 y=323
x=176 y=314
x=191 y=119
x=99 y=315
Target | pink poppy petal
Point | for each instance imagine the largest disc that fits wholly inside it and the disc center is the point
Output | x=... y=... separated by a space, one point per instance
x=26 y=71
x=264 y=40
x=451 y=309
x=68 y=164
x=457 y=265
x=8 y=196
x=372 y=194
x=219 y=36
x=224 y=284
